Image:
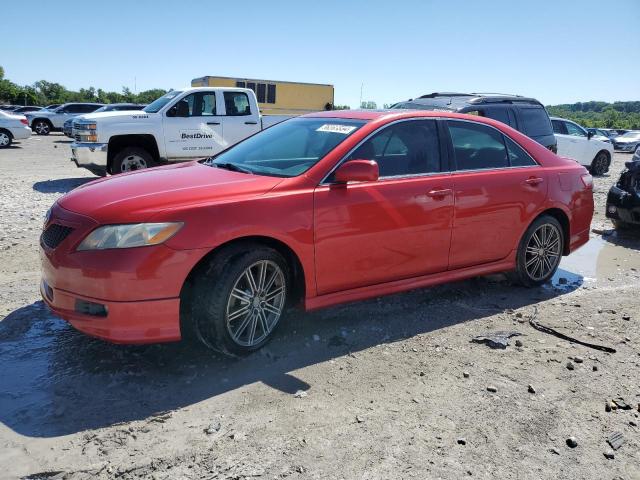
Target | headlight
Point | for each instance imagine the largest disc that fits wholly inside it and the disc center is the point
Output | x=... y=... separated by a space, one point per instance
x=87 y=132
x=128 y=236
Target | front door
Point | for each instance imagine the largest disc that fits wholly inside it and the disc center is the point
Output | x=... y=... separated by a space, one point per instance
x=497 y=186
x=394 y=228
x=192 y=128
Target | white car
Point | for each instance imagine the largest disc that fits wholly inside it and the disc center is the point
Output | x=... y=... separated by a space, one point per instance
x=13 y=127
x=575 y=142
x=45 y=121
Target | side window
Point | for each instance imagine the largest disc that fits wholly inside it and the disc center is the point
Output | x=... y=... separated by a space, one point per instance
x=575 y=130
x=200 y=104
x=499 y=114
x=236 y=104
x=558 y=127
x=406 y=148
x=477 y=146
x=517 y=156
x=535 y=121
x=74 y=109
x=89 y=108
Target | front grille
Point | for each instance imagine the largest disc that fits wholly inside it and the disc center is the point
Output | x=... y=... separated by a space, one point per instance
x=54 y=235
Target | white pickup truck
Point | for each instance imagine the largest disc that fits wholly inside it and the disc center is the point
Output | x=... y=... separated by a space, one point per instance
x=182 y=125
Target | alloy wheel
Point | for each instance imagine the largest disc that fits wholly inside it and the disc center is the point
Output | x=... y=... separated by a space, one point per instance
x=542 y=254
x=132 y=163
x=600 y=164
x=255 y=303
x=4 y=139
x=42 y=128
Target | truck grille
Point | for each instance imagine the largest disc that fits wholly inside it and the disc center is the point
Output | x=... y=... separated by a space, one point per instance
x=54 y=235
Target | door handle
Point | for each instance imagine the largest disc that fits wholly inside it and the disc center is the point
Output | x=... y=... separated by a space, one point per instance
x=439 y=193
x=534 y=181
x=250 y=123
x=213 y=123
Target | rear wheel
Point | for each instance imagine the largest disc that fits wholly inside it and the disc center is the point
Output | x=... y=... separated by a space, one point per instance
x=600 y=164
x=539 y=252
x=131 y=159
x=5 y=138
x=41 y=127
x=238 y=301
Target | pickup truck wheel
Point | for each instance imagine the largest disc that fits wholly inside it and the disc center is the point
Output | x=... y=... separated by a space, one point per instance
x=539 y=252
x=131 y=159
x=41 y=127
x=239 y=301
x=600 y=164
x=5 y=139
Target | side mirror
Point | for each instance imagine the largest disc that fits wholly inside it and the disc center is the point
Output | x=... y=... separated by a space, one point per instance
x=589 y=135
x=172 y=111
x=357 y=171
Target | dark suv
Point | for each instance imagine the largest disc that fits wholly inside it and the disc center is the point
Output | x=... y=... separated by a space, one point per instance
x=527 y=115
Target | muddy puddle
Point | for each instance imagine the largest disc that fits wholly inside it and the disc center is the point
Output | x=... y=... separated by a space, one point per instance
x=602 y=260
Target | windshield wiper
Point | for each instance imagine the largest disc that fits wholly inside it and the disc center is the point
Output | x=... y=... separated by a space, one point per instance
x=234 y=167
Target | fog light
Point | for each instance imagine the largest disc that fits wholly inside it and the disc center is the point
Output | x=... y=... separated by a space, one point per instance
x=91 y=308
x=612 y=209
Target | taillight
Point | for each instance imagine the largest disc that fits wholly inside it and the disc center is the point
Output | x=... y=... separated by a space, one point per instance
x=587 y=180
x=24 y=121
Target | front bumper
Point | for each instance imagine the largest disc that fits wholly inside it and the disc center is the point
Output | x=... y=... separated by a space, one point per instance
x=623 y=206
x=625 y=147
x=135 y=291
x=89 y=154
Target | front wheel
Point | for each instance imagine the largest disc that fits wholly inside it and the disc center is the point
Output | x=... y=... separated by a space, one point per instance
x=41 y=127
x=131 y=159
x=239 y=300
x=5 y=139
x=600 y=164
x=539 y=252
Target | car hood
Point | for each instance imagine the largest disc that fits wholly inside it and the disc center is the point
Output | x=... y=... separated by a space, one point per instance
x=137 y=196
x=115 y=114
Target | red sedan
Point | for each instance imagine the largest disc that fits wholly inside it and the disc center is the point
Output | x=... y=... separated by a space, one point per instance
x=321 y=209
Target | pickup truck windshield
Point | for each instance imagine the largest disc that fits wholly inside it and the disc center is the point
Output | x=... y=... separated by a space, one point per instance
x=156 y=105
x=289 y=148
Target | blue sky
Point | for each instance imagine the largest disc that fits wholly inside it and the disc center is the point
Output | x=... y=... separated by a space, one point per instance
x=558 y=51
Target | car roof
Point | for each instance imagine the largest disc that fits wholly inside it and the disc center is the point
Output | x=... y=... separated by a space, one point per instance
x=455 y=100
x=391 y=114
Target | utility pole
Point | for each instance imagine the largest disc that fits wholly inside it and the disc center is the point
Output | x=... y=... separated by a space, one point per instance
x=361 y=87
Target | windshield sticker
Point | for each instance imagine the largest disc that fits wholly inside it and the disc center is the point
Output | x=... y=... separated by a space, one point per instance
x=343 y=129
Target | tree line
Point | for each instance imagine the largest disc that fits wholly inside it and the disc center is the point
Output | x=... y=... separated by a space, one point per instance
x=600 y=114
x=45 y=93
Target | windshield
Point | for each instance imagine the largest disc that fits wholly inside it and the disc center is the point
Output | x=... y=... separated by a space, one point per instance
x=156 y=105
x=289 y=148
x=631 y=135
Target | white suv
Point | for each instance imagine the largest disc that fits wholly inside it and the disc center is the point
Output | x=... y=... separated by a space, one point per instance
x=44 y=121
x=575 y=142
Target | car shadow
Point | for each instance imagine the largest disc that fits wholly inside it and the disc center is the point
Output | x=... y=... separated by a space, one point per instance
x=60 y=185
x=628 y=238
x=63 y=141
x=57 y=381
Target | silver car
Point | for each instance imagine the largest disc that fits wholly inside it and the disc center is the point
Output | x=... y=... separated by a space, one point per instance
x=44 y=122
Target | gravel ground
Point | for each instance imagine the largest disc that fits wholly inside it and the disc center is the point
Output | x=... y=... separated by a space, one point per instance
x=392 y=388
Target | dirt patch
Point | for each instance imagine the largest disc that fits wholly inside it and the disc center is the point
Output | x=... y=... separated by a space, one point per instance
x=394 y=387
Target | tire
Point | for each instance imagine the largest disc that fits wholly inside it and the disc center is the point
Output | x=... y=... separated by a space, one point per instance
x=131 y=159
x=539 y=252
x=5 y=138
x=227 y=313
x=41 y=127
x=600 y=164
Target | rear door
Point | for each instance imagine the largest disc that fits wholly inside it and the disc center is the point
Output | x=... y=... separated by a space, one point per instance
x=394 y=228
x=192 y=127
x=497 y=188
x=240 y=118
x=580 y=143
x=565 y=142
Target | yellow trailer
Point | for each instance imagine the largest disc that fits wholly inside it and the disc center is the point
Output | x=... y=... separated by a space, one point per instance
x=277 y=97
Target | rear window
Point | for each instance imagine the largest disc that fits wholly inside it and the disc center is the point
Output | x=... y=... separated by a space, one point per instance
x=535 y=121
